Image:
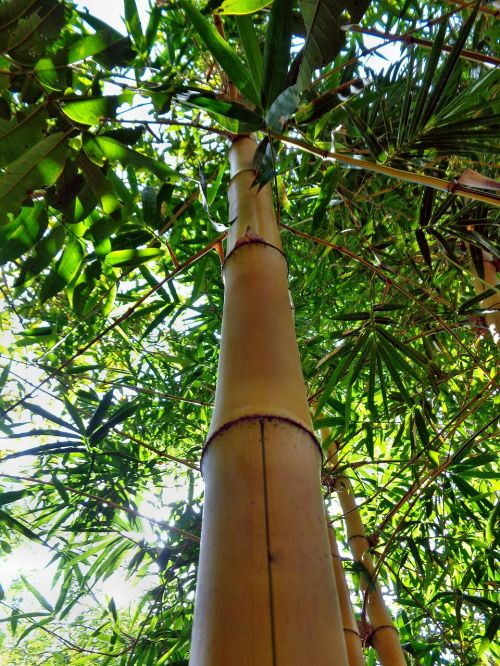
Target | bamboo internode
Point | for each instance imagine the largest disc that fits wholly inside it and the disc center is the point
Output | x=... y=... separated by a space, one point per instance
x=490 y=303
x=384 y=636
x=266 y=593
x=352 y=636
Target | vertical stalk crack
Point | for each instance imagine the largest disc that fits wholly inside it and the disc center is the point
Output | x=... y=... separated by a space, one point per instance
x=268 y=542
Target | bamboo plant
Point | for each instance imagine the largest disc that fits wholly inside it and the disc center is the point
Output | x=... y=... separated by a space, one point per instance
x=267 y=591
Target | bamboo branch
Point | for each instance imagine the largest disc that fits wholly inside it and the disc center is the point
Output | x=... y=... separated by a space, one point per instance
x=483 y=9
x=408 y=38
x=440 y=184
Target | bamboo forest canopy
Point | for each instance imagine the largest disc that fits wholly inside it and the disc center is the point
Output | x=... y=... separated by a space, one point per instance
x=113 y=214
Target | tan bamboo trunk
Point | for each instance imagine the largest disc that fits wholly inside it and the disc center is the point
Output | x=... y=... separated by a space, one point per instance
x=352 y=637
x=266 y=593
x=384 y=637
x=492 y=302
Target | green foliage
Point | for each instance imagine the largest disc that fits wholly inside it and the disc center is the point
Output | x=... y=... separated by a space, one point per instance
x=111 y=204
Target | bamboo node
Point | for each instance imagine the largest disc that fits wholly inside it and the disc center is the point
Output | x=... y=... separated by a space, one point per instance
x=357 y=536
x=352 y=631
x=257 y=417
x=252 y=240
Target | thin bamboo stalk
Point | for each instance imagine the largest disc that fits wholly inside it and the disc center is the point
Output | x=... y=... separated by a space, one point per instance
x=384 y=636
x=352 y=636
x=266 y=593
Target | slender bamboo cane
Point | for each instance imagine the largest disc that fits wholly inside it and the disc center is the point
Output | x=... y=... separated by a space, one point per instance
x=266 y=593
x=352 y=636
x=384 y=636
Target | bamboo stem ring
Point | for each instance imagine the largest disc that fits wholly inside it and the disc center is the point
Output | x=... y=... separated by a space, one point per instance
x=256 y=417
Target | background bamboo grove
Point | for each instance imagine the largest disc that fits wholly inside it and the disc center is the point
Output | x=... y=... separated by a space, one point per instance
x=113 y=217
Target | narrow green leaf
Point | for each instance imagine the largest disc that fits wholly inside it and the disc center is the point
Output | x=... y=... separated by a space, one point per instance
x=118 y=417
x=424 y=246
x=101 y=149
x=19 y=134
x=11 y=496
x=17 y=526
x=47 y=415
x=331 y=179
x=430 y=70
x=282 y=108
x=242 y=6
x=133 y=23
x=152 y=27
x=367 y=134
x=45 y=251
x=40 y=166
x=489 y=634
x=388 y=356
x=20 y=236
x=438 y=95
x=99 y=184
x=251 y=49
x=133 y=257
x=222 y=52
x=325 y=37
x=100 y=413
x=277 y=51
x=67 y=268
x=38 y=596
x=53 y=448
x=224 y=111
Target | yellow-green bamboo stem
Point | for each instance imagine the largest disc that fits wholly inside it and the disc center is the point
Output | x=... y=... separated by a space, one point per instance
x=266 y=593
x=492 y=302
x=352 y=637
x=391 y=172
x=384 y=637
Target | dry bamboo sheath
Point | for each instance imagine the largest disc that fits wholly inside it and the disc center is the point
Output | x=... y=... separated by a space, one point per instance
x=266 y=594
x=385 y=638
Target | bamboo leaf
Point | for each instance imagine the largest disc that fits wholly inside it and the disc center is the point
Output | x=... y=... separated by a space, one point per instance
x=20 y=236
x=277 y=51
x=325 y=36
x=93 y=110
x=40 y=411
x=101 y=149
x=132 y=258
x=18 y=526
x=45 y=251
x=100 y=413
x=133 y=23
x=38 y=167
x=430 y=70
x=438 y=95
x=242 y=6
x=19 y=134
x=251 y=49
x=222 y=52
x=38 y=596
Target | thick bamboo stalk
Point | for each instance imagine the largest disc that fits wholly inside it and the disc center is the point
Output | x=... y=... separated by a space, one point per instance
x=492 y=302
x=384 y=637
x=352 y=637
x=266 y=593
